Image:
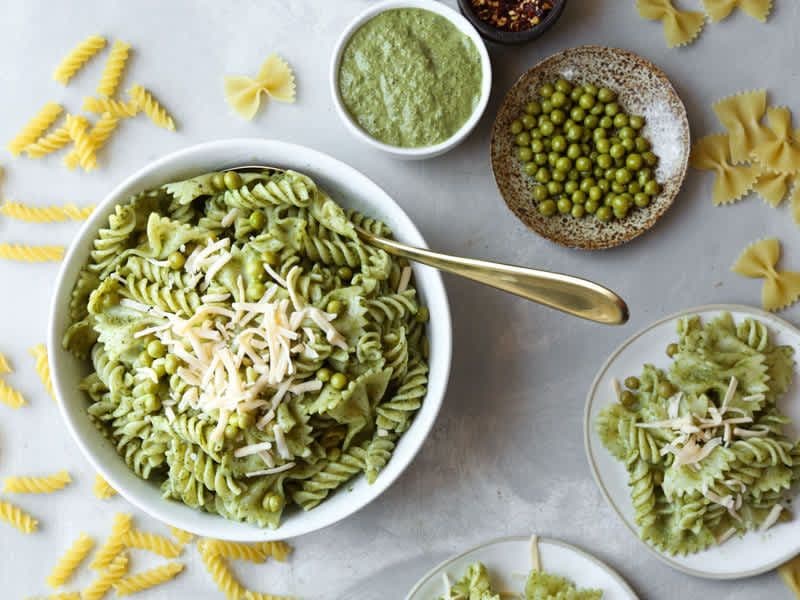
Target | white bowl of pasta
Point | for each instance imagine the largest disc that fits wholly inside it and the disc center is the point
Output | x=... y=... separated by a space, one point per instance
x=263 y=398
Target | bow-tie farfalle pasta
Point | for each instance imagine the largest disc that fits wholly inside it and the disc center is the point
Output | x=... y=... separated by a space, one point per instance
x=778 y=149
x=758 y=261
x=772 y=187
x=721 y=9
x=741 y=115
x=681 y=27
x=275 y=78
x=712 y=153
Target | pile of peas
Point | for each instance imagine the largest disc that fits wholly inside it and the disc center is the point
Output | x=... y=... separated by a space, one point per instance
x=587 y=155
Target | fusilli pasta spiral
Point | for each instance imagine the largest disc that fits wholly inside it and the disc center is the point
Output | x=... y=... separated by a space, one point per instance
x=147 y=579
x=11 y=397
x=102 y=489
x=25 y=253
x=77 y=57
x=151 y=107
x=45 y=214
x=151 y=542
x=116 y=108
x=100 y=586
x=235 y=550
x=69 y=562
x=42 y=365
x=5 y=367
x=37 y=485
x=78 y=128
x=114 y=545
x=16 y=517
x=222 y=576
x=183 y=537
x=98 y=135
x=112 y=71
x=47 y=144
x=34 y=128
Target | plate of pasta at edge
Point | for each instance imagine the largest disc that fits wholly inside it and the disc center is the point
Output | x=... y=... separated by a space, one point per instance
x=230 y=355
x=692 y=431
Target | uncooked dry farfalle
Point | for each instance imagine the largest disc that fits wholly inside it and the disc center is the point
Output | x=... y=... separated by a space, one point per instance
x=741 y=116
x=681 y=27
x=275 y=78
x=772 y=187
x=720 y=9
x=712 y=153
x=758 y=261
x=778 y=149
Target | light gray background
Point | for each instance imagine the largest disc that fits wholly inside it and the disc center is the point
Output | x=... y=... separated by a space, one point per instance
x=507 y=455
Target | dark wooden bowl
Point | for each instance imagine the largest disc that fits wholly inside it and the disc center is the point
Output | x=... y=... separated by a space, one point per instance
x=512 y=37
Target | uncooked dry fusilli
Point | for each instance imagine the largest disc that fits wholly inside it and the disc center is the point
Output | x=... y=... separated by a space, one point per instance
x=37 y=485
x=39 y=353
x=114 y=544
x=234 y=550
x=98 y=135
x=69 y=562
x=112 y=71
x=10 y=397
x=183 y=537
x=115 y=571
x=280 y=551
x=116 y=108
x=223 y=576
x=26 y=253
x=147 y=579
x=102 y=489
x=4 y=366
x=45 y=214
x=151 y=542
x=78 y=128
x=78 y=57
x=47 y=144
x=151 y=107
x=15 y=516
x=34 y=128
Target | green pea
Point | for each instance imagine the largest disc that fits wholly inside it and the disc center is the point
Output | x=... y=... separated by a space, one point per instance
x=641 y=200
x=539 y=193
x=634 y=187
x=516 y=127
x=578 y=197
x=559 y=99
x=537 y=146
x=634 y=162
x=575 y=133
x=273 y=502
x=156 y=349
x=171 y=364
x=603 y=145
x=628 y=144
x=176 y=260
x=563 y=164
x=620 y=214
x=637 y=122
x=345 y=273
x=533 y=108
x=324 y=375
x=218 y=181
x=591 y=121
x=652 y=188
x=606 y=122
x=583 y=164
x=552 y=158
x=623 y=176
x=578 y=211
x=529 y=121
x=632 y=383
x=564 y=205
x=590 y=88
x=540 y=158
x=554 y=188
x=542 y=175
x=423 y=315
x=621 y=120
x=587 y=183
x=605 y=95
x=627 y=133
x=604 y=214
x=576 y=94
x=523 y=139
x=231 y=432
x=604 y=185
x=548 y=208
x=611 y=175
x=256 y=291
x=642 y=145
x=595 y=193
x=571 y=187
x=525 y=154
x=546 y=90
x=339 y=381
x=152 y=403
x=617 y=187
x=598 y=110
x=587 y=101
x=547 y=128
x=574 y=151
x=644 y=175
x=612 y=110
x=233 y=180
x=530 y=168
x=665 y=389
x=246 y=420
x=650 y=159
x=563 y=86
x=598 y=171
x=334 y=307
x=547 y=107
x=573 y=174
x=558 y=117
x=257 y=220
x=558 y=144
x=145 y=359
x=627 y=399
x=591 y=206
x=617 y=151
x=621 y=203
x=577 y=114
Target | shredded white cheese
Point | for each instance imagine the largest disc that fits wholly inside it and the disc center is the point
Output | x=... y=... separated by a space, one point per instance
x=272 y=471
x=772 y=517
x=251 y=449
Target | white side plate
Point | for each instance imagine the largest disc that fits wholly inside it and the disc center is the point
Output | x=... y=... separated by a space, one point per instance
x=508 y=561
x=750 y=555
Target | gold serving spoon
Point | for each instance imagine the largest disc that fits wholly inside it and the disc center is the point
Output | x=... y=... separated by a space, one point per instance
x=572 y=295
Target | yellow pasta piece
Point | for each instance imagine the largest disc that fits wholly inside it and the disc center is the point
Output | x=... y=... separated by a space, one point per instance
x=39 y=353
x=681 y=27
x=37 y=485
x=26 y=253
x=275 y=79
x=741 y=115
x=772 y=187
x=115 y=571
x=116 y=108
x=5 y=367
x=150 y=106
x=78 y=57
x=114 y=544
x=102 y=489
x=758 y=261
x=47 y=144
x=34 y=128
x=795 y=202
x=790 y=573
x=251 y=595
x=778 y=149
x=183 y=537
x=151 y=542
x=16 y=517
x=147 y=579
x=69 y=562
x=45 y=214
x=78 y=128
x=11 y=397
x=222 y=576
x=720 y=9
x=235 y=550
x=112 y=71
x=712 y=153
x=280 y=551
x=99 y=135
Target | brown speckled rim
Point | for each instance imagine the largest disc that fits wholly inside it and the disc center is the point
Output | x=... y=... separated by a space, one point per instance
x=643 y=89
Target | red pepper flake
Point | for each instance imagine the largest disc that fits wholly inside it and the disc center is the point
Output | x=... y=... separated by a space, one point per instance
x=512 y=15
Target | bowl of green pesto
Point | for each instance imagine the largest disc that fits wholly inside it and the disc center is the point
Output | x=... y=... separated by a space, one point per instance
x=411 y=78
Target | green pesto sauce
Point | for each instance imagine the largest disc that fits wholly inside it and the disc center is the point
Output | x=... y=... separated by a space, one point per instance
x=410 y=78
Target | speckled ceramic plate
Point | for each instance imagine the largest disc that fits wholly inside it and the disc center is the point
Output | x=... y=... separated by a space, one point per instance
x=643 y=89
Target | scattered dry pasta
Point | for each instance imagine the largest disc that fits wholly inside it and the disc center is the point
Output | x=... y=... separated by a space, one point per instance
x=151 y=107
x=113 y=69
x=78 y=57
x=37 y=485
x=758 y=261
x=98 y=135
x=5 y=367
x=223 y=576
x=69 y=562
x=183 y=537
x=234 y=550
x=102 y=489
x=15 y=516
x=45 y=214
x=720 y=9
x=772 y=187
x=25 y=253
x=42 y=365
x=34 y=128
x=777 y=150
x=115 y=108
x=741 y=115
x=147 y=579
x=11 y=397
x=151 y=542
x=115 y=571
x=712 y=153
x=52 y=142
x=790 y=573
x=280 y=551
x=114 y=545
x=275 y=79
x=681 y=27
x=78 y=128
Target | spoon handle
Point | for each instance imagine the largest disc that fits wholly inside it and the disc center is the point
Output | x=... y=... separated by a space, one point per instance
x=568 y=294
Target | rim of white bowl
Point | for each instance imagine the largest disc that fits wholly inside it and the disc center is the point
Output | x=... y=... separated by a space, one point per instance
x=458 y=21
x=587 y=432
x=248 y=151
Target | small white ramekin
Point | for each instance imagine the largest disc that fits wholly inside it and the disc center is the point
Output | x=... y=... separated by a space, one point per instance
x=424 y=151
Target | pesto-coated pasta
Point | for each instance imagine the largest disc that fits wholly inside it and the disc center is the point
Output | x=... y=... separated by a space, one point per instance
x=249 y=351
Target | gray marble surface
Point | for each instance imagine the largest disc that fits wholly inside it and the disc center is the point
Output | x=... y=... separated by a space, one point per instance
x=506 y=456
